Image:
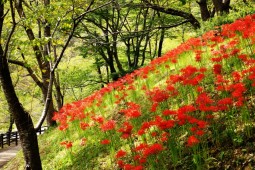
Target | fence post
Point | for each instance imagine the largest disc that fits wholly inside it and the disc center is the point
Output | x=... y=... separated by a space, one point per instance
x=2 y=140
x=8 y=138
x=16 y=138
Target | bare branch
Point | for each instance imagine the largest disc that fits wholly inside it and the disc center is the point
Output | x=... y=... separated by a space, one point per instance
x=30 y=71
x=12 y=30
x=174 y=12
x=91 y=10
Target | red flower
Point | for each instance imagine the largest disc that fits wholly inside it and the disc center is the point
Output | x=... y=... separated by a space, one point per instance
x=157 y=95
x=121 y=163
x=98 y=119
x=133 y=110
x=164 y=137
x=192 y=140
x=126 y=130
x=154 y=107
x=169 y=112
x=217 y=68
x=120 y=154
x=84 y=125
x=110 y=125
x=105 y=142
x=164 y=124
x=225 y=101
x=141 y=147
x=153 y=149
x=67 y=144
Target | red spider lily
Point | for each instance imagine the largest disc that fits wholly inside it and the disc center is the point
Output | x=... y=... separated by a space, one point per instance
x=99 y=119
x=217 y=59
x=105 y=142
x=154 y=107
x=204 y=99
x=199 y=132
x=121 y=163
x=164 y=124
x=67 y=144
x=126 y=130
x=152 y=149
x=236 y=76
x=109 y=125
x=133 y=110
x=140 y=147
x=120 y=154
x=154 y=134
x=225 y=101
x=238 y=90
x=186 y=109
x=243 y=57
x=157 y=95
x=63 y=126
x=169 y=112
x=192 y=140
x=234 y=51
x=189 y=71
x=217 y=68
x=164 y=136
x=200 y=89
x=198 y=55
x=145 y=126
x=131 y=167
x=84 y=125
x=141 y=160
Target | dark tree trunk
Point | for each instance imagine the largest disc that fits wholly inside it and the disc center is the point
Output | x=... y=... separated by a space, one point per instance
x=59 y=96
x=11 y=124
x=161 y=41
x=100 y=75
x=205 y=14
x=46 y=67
x=221 y=6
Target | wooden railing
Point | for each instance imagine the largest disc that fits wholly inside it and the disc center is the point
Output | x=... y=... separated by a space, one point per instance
x=13 y=137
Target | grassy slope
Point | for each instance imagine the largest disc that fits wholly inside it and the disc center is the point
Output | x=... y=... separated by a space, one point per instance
x=224 y=127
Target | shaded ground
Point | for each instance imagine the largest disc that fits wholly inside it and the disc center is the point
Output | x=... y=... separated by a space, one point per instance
x=7 y=154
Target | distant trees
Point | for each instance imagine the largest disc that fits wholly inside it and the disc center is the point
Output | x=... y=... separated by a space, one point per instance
x=127 y=33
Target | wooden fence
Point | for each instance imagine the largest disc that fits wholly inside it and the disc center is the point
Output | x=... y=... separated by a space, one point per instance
x=13 y=137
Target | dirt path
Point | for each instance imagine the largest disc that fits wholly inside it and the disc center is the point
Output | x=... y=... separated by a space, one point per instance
x=7 y=154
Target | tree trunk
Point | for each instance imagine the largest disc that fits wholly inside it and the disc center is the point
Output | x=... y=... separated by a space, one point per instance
x=221 y=6
x=205 y=14
x=161 y=41
x=22 y=119
x=11 y=124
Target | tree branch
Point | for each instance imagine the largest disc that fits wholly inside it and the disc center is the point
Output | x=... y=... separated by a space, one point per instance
x=30 y=71
x=12 y=30
x=174 y=12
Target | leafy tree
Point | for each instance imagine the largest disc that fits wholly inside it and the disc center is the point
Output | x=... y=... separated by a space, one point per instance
x=22 y=118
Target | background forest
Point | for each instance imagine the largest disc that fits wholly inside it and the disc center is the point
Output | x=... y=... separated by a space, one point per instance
x=58 y=52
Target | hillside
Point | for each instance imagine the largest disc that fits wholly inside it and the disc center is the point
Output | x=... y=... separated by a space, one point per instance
x=192 y=108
